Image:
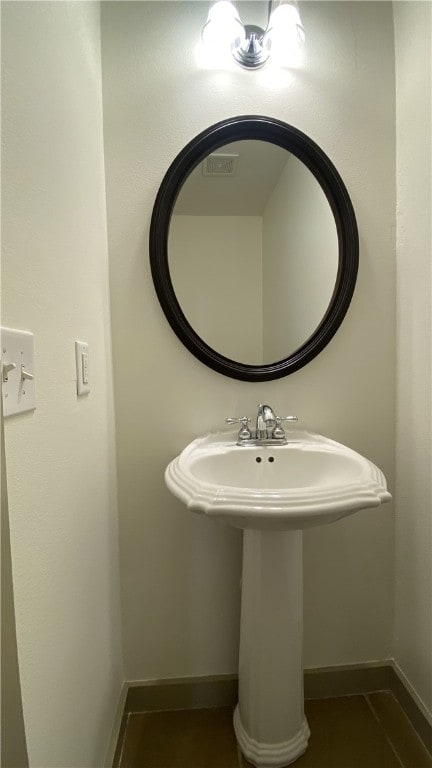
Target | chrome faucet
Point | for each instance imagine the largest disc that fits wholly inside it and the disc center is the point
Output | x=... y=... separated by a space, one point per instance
x=268 y=430
x=265 y=421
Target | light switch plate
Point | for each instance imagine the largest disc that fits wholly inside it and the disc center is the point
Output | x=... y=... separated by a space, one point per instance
x=82 y=367
x=18 y=373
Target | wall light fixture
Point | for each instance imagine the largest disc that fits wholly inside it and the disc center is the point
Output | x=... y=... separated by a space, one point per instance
x=251 y=45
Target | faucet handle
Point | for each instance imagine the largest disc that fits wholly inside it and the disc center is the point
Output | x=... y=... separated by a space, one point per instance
x=245 y=433
x=278 y=431
x=242 y=420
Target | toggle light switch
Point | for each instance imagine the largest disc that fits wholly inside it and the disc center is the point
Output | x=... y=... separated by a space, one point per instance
x=6 y=369
x=82 y=367
x=18 y=385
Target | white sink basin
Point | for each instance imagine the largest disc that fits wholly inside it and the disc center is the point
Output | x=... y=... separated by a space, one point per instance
x=310 y=481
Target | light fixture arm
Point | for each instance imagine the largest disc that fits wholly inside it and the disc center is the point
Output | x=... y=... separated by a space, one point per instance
x=252 y=53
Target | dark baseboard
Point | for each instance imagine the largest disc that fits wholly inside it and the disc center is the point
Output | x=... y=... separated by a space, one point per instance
x=347 y=680
x=418 y=720
x=183 y=693
x=320 y=683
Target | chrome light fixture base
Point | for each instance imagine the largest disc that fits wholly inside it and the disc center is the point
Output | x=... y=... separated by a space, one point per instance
x=252 y=54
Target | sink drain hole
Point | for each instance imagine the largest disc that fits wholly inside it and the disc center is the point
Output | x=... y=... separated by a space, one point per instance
x=271 y=458
x=258 y=459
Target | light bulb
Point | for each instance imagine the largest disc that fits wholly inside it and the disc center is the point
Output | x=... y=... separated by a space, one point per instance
x=223 y=29
x=285 y=34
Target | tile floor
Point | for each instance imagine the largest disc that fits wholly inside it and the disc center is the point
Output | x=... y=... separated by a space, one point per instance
x=369 y=731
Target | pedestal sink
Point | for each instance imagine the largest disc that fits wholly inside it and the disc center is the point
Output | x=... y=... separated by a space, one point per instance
x=273 y=492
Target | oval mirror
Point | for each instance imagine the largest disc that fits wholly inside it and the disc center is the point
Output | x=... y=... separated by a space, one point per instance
x=253 y=248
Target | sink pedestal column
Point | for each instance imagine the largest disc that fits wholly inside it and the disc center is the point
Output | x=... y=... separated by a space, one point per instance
x=269 y=719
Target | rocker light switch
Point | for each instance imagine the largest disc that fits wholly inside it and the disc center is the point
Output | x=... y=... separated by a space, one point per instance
x=18 y=376
x=82 y=367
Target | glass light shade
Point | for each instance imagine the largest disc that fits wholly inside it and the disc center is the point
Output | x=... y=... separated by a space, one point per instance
x=285 y=34
x=223 y=29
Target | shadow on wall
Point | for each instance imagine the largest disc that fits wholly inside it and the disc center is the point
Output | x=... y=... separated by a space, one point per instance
x=13 y=739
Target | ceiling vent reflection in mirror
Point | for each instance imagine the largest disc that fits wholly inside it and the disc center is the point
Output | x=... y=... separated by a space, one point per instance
x=220 y=165
x=251 y=45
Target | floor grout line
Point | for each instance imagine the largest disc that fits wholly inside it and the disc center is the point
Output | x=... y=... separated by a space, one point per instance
x=387 y=737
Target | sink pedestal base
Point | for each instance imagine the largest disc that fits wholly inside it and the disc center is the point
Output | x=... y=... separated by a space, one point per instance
x=269 y=720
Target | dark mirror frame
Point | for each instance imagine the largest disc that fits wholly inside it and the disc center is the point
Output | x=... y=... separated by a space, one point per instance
x=300 y=145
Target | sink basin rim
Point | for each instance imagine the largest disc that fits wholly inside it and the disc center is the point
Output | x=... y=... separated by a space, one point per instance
x=284 y=508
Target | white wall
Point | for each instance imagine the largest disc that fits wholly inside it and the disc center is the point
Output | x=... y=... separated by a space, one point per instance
x=60 y=459
x=13 y=747
x=300 y=262
x=216 y=261
x=180 y=572
x=413 y=604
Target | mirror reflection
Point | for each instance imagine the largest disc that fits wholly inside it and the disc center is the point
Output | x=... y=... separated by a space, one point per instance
x=253 y=252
